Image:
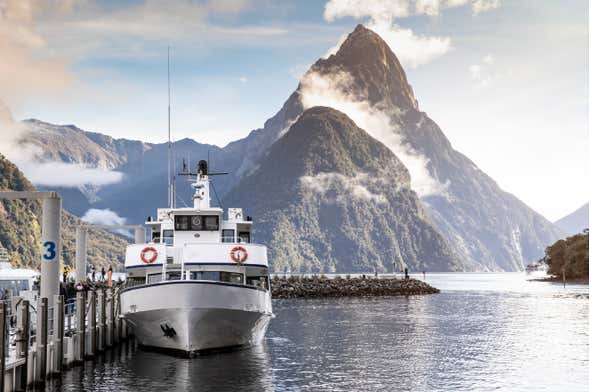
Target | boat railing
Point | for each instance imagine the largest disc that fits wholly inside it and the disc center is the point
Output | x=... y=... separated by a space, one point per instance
x=222 y=243
x=235 y=240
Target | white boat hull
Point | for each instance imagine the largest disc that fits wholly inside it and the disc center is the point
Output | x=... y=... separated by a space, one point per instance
x=193 y=316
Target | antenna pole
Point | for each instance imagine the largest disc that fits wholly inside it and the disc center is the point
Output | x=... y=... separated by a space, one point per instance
x=169 y=137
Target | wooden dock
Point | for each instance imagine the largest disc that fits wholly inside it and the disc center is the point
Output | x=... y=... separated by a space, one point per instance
x=62 y=337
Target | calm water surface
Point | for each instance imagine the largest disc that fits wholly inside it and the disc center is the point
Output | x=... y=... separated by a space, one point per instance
x=484 y=332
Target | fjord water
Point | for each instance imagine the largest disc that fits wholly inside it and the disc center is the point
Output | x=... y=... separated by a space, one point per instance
x=483 y=332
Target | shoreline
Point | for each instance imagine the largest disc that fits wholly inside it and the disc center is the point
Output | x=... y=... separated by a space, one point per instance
x=557 y=279
x=323 y=287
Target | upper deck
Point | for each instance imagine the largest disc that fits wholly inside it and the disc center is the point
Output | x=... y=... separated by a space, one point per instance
x=198 y=244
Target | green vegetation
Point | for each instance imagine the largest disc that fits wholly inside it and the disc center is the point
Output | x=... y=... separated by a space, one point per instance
x=572 y=254
x=330 y=198
x=20 y=229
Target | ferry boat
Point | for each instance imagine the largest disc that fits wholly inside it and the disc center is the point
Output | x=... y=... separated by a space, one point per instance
x=200 y=283
x=17 y=282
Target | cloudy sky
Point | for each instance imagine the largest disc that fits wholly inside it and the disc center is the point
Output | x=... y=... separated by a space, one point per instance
x=506 y=80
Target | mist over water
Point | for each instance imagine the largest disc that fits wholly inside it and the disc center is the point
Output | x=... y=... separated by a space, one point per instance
x=483 y=332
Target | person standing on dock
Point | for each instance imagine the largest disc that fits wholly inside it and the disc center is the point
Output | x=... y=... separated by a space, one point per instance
x=93 y=273
x=110 y=276
x=103 y=273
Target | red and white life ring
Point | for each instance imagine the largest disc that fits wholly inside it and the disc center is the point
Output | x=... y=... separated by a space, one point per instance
x=238 y=254
x=149 y=254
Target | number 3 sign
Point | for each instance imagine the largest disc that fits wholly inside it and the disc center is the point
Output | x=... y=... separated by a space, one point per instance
x=50 y=251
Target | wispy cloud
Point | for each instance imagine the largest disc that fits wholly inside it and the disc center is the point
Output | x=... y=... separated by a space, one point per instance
x=343 y=187
x=412 y=49
x=484 y=74
x=333 y=90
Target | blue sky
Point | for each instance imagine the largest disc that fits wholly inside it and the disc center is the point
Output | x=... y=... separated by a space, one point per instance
x=507 y=81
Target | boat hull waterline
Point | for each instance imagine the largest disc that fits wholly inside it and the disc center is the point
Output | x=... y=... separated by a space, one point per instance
x=188 y=317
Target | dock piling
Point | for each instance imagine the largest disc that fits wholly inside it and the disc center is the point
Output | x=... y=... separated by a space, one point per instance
x=111 y=317
x=81 y=325
x=92 y=323
x=58 y=332
x=101 y=320
x=118 y=319
x=22 y=342
x=4 y=345
x=42 y=338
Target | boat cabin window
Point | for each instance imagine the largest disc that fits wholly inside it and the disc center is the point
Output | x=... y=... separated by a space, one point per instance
x=244 y=236
x=154 y=278
x=258 y=281
x=228 y=235
x=196 y=222
x=217 y=276
x=155 y=236
x=205 y=275
x=231 y=277
x=135 y=281
x=169 y=237
x=174 y=275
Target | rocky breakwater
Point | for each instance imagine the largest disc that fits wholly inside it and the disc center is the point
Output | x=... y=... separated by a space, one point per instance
x=322 y=286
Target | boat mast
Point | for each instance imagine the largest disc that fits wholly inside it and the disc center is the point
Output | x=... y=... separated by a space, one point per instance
x=170 y=201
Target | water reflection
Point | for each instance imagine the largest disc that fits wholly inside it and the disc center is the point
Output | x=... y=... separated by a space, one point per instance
x=132 y=369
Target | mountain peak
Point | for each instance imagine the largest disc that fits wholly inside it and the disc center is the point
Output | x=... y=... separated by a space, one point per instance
x=377 y=73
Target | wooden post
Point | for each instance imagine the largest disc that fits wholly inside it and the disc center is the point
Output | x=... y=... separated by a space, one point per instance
x=92 y=322
x=111 y=317
x=42 y=339
x=4 y=344
x=81 y=324
x=102 y=319
x=22 y=342
x=564 y=278
x=119 y=320
x=58 y=331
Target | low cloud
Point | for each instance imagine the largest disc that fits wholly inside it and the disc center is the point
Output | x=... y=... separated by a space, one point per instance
x=243 y=79
x=106 y=216
x=380 y=123
x=355 y=187
x=46 y=173
x=68 y=175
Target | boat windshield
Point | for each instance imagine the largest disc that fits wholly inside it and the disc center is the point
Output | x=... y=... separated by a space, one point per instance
x=13 y=287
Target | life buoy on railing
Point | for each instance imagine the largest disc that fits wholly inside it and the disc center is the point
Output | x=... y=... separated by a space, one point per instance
x=149 y=254
x=238 y=254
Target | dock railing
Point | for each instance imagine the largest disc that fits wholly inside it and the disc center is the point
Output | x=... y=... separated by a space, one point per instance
x=39 y=342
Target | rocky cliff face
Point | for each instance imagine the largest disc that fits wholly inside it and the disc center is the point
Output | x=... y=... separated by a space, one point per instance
x=20 y=229
x=327 y=197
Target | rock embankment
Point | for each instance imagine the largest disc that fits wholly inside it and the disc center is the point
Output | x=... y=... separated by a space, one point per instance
x=321 y=286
